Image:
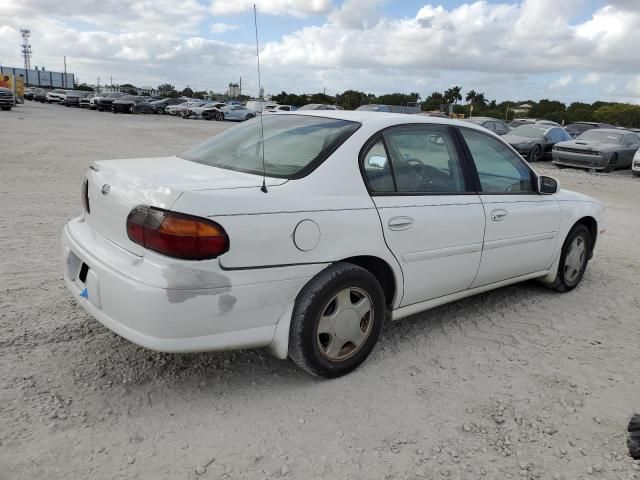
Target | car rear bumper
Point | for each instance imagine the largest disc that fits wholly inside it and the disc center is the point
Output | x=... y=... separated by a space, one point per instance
x=571 y=159
x=198 y=309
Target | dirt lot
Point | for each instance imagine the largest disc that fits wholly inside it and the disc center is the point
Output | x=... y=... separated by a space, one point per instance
x=521 y=382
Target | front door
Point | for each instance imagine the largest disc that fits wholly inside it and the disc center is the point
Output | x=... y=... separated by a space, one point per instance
x=432 y=220
x=521 y=224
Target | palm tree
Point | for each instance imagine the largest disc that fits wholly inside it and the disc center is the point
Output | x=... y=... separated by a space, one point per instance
x=471 y=96
x=453 y=95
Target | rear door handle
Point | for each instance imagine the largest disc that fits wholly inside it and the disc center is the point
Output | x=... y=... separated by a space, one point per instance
x=400 y=223
x=499 y=214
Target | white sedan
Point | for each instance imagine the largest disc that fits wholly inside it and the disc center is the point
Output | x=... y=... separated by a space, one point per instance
x=306 y=234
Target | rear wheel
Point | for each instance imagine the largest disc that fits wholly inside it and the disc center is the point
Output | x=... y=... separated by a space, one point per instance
x=611 y=165
x=336 y=321
x=534 y=154
x=249 y=116
x=573 y=259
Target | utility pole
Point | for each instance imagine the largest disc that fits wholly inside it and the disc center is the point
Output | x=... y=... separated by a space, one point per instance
x=26 y=47
x=112 y=81
x=98 y=85
x=240 y=88
x=65 y=71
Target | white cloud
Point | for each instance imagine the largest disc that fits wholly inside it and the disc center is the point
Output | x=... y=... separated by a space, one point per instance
x=296 y=8
x=561 y=82
x=222 y=27
x=591 y=78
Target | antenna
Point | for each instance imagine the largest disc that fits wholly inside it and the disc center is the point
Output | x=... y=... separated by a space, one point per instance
x=26 y=47
x=264 y=171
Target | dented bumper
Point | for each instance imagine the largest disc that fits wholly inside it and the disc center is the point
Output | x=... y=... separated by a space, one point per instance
x=173 y=305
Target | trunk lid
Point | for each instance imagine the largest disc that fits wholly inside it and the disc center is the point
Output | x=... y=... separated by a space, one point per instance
x=115 y=187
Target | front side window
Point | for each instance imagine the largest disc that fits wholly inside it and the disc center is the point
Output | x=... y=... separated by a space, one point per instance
x=293 y=145
x=500 y=169
x=425 y=160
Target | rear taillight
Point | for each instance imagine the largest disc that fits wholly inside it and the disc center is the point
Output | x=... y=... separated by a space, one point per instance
x=176 y=234
x=85 y=195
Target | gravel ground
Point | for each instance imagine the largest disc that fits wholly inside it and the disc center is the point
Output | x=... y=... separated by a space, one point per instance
x=521 y=382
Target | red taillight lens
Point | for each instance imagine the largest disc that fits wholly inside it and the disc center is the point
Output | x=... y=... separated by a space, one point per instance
x=176 y=234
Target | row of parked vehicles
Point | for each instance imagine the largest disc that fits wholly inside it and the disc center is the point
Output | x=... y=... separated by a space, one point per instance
x=590 y=145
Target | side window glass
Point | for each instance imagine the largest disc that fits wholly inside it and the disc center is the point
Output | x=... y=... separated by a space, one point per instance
x=500 y=127
x=424 y=159
x=490 y=125
x=378 y=169
x=500 y=170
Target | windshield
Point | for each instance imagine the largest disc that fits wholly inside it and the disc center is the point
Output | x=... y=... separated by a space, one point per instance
x=595 y=135
x=293 y=145
x=529 y=131
x=374 y=108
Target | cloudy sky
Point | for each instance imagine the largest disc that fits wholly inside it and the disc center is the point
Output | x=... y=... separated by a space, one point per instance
x=574 y=50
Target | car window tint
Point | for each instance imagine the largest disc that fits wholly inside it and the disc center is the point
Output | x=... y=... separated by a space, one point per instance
x=378 y=169
x=556 y=135
x=499 y=168
x=490 y=125
x=424 y=159
x=501 y=127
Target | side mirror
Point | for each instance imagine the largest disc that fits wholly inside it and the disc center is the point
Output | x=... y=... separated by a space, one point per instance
x=548 y=185
x=377 y=162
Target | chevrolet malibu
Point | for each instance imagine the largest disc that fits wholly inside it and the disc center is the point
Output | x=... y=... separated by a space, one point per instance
x=308 y=233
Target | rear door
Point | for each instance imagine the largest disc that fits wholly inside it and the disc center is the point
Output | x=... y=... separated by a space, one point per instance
x=432 y=220
x=521 y=225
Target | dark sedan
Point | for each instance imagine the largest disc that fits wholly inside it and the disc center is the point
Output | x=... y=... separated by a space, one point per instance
x=132 y=104
x=598 y=149
x=493 y=124
x=534 y=142
x=577 y=128
x=73 y=99
x=159 y=106
x=105 y=101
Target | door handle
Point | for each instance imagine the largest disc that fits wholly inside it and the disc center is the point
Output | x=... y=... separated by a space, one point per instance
x=400 y=223
x=498 y=215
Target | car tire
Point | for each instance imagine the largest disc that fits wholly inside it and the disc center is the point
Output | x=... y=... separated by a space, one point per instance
x=8 y=109
x=328 y=299
x=249 y=117
x=573 y=262
x=534 y=154
x=611 y=165
x=635 y=174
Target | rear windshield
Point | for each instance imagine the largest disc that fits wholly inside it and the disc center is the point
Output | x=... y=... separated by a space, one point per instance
x=595 y=135
x=293 y=145
x=529 y=131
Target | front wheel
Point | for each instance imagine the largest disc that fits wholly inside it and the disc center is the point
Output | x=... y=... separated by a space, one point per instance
x=534 y=154
x=249 y=116
x=573 y=259
x=611 y=165
x=336 y=321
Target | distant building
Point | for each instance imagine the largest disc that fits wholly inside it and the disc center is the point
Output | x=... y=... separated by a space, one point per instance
x=522 y=109
x=35 y=77
x=234 y=90
x=126 y=88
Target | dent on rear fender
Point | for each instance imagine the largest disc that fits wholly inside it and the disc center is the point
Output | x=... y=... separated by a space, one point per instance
x=184 y=282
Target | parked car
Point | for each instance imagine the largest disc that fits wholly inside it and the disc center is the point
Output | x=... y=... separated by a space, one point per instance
x=186 y=254
x=319 y=106
x=7 y=99
x=104 y=102
x=259 y=105
x=534 y=142
x=530 y=121
x=434 y=114
x=40 y=95
x=159 y=106
x=210 y=108
x=73 y=99
x=85 y=102
x=493 y=124
x=30 y=92
x=280 y=108
x=180 y=109
x=635 y=166
x=387 y=108
x=236 y=112
x=214 y=113
x=599 y=149
x=54 y=96
x=131 y=104
x=577 y=128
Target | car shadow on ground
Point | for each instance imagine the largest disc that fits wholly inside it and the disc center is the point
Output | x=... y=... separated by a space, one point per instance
x=113 y=360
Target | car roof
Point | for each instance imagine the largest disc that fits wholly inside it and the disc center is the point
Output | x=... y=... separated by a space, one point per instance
x=612 y=130
x=372 y=117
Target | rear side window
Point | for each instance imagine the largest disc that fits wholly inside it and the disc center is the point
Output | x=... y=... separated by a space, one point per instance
x=293 y=145
x=501 y=170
